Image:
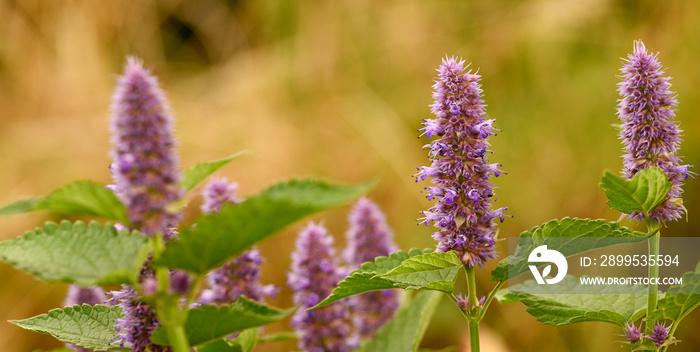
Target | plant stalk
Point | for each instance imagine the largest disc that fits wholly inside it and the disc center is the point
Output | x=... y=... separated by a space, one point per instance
x=654 y=241
x=473 y=320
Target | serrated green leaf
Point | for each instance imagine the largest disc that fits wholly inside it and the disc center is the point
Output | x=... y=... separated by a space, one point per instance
x=561 y=235
x=220 y=236
x=432 y=271
x=195 y=175
x=366 y=278
x=85 y=326
x=208 y=322
x=644 y=192
x=78 y=253
x=612 y=304
x=76 y=198
x=680 y=300
x=405 y=332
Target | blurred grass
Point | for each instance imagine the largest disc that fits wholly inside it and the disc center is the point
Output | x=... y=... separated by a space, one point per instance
x=338 y=89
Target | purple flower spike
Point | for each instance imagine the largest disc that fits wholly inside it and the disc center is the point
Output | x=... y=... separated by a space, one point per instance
x=660 y=334
x=313 y=276
x=460 y=170
x=632 y=333
x=145 y=167
x=241 y=275
x=369 y=237
x=138 y=323
x=649 y=134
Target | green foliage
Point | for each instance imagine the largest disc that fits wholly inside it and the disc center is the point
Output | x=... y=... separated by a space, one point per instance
x=432 y=271
x=367 y=277
x=245 y=342
x=208 y=322
x=195 y=175
x=405 y=332
x=78 y=253
x=280 y=336
x=680 y=300
x=561 y=235
x=612 y=304
x=85 y=326
x=76 y=198
x=644 y=192
x=220 y=236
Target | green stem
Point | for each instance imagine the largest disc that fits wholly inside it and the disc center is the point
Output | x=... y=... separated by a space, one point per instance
x=474 y=334
x=177 y=338
x=489 y=299
x=473 y=320
x=653 y=228
x=169 y=313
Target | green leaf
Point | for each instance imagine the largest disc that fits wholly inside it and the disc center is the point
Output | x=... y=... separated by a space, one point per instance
x=431 y=271
x=245 y=342
x=208 y=323
x=405 y=332
x=76 y=198
x=562 y=235
x=217 y=237
x=22 y=206
x=366 y=279
x=84 y=326
x=280 y=336
x=612 y=304
x=193 y=176
x=87 y=255
x=644 y=192
x=680 y=300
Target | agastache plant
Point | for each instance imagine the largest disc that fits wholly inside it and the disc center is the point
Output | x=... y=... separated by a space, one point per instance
x=369 y=237
x=159 y=263
x=241 y=275
x=162 y=264
x=460 y=172
x=313 y=276
x=650 y=135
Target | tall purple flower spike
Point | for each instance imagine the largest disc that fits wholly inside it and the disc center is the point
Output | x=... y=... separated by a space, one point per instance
x=460 y=169
x=241 y=275
x=146 y=178
x=369 y=237
x=313 y=276
x=78 y=295
x=650 y=135
x=145 y=167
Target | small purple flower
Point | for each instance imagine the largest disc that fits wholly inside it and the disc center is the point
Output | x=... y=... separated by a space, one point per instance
x=145 y=166
x=241 y=275
x=632 y=333
x=650 y=135
x=313 y=276
x=217 y=193
x=78 y=295
x=460 y=170
x=83 y=295
x=463 y=302
x=138 y=323
x=369 y=237
x=659 y=334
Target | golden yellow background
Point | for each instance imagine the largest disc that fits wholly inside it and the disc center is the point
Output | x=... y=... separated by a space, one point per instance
x=338 y=89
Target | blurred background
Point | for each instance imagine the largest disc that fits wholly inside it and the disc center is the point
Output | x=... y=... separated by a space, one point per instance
x=337 y=90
